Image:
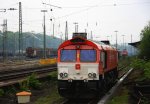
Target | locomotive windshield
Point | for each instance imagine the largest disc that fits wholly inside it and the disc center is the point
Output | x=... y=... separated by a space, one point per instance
x=88 y=55
x=68 y=55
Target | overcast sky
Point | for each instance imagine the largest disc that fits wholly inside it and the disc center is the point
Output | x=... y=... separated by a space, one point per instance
x=102 y=17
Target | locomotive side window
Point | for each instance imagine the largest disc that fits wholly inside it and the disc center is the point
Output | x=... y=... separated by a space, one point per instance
x=103 y=59
x=68 y=55
x=87 y=55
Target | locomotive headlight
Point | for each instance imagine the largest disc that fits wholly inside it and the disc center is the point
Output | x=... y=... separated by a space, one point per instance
x=94 y=75
x=90 y=75
x=65 y=75
x=61 y=75
x=63 y=72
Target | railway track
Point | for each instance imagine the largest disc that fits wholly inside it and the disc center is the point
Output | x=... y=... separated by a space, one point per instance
x=80 y=101
x=16 y=62
x=105 y=98
x=15 y=66
x=15 y=76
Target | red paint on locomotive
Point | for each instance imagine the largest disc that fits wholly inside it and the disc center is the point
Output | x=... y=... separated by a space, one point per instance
x=112 y=58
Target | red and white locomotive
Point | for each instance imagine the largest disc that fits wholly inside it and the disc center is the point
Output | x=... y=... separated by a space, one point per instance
x=85 y=64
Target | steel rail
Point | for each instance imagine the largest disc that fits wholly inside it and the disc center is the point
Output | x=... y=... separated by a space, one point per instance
x=15 y=77
x=80 y=101
x=105 y=99
x=21 y=69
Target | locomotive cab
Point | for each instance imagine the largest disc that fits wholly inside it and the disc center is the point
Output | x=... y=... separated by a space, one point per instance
x=78 y=63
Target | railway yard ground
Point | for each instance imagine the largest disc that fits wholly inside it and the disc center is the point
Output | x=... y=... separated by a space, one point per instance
x=18 y=64
x=135 y=90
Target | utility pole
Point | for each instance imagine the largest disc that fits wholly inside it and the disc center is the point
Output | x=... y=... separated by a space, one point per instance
x=14 y=44
x=66 y=31
x=111 y=38
x=1 y=36
x=91 y=35
x=20 y=31
x=33 y=41
x=76 y=27
x=4 y=40
x=131 y=42
x=61 y=36
x=85 y=30
x=44 y=31
x=107 y=38
x=53 y=30
x=116 y=40
x=123 y=41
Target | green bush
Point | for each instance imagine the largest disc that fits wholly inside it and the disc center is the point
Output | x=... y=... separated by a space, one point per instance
x=144 y=44
x=24 y=86
x=147 y=70
x=138 y=64
x=1 y=92
x=53 y=75
x=144 y=66
x=33 y=82
x=29 y=83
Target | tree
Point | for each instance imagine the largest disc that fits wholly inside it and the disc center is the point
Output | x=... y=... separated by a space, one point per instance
x=145 y=42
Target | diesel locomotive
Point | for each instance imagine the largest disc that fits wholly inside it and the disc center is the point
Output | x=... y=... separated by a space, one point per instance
x=85 y=65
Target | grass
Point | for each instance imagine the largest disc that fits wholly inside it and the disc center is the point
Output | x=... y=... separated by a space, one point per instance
x=121 y=98
x=52 y=98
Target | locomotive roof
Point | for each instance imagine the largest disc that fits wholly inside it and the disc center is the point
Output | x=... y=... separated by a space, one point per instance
x=82 y=41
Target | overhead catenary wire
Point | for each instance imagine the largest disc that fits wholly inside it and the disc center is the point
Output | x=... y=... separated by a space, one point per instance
x=76 y=12
x=99 y=5
x=82 y=9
